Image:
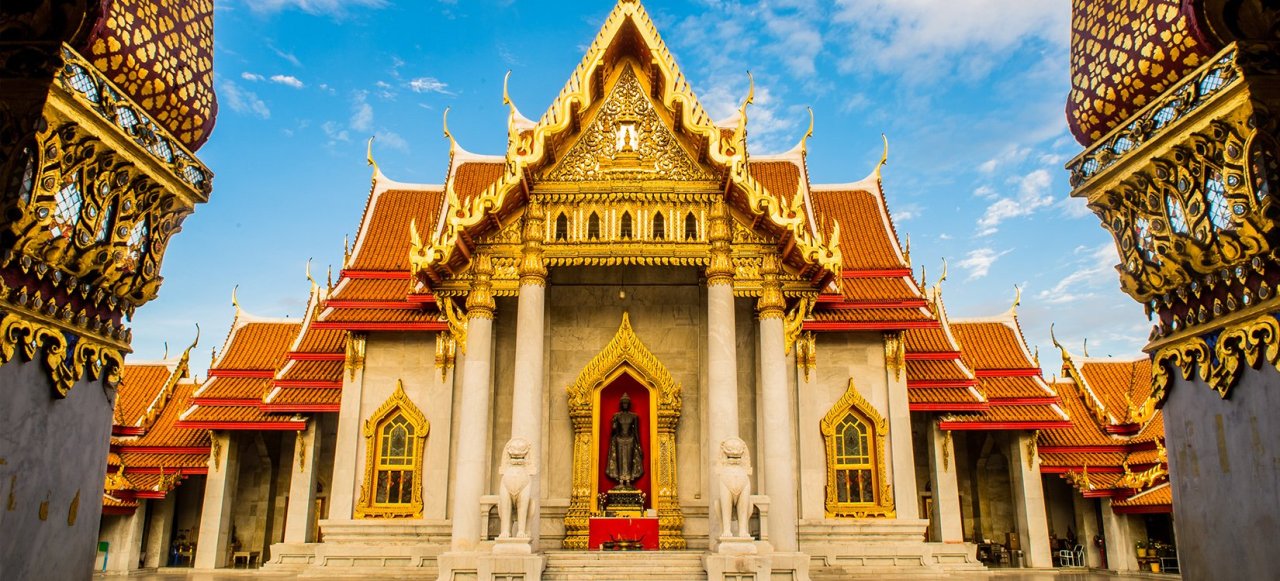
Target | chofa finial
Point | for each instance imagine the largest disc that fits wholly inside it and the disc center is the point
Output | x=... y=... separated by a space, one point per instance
x=884 y=157
x=453 y=144
x=804 y=141
x=235 y=302
x=368 y=155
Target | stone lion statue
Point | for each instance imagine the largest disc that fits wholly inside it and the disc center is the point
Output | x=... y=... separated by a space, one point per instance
x=517 y=472
x=734 y=470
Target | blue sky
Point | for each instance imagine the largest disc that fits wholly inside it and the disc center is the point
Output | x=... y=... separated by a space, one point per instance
x=969 y=92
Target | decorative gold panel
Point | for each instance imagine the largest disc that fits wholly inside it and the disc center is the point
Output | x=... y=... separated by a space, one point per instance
x=883 y=506
x=398 y=403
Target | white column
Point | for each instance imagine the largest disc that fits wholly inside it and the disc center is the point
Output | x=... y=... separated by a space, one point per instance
x=157 y=542
x=946 y=517
x=1086 y=527
x=1028 y=500
x=346 y=475
x=906 y=499
x=778 y=419
x=722 y=356
x=473 y=410
x=300 y=518
x=219 y=496
x=1120 y=538
x=125 y=539
x=527 y=399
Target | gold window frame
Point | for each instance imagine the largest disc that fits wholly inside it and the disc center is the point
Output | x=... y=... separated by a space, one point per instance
x=399 y=402
x=883 y=507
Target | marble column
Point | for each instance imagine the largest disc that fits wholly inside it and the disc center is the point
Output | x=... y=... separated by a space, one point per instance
x=219 y=497
x=946 y=517
x=527 y=399
x=1028 y=500
x=1086 y=527
x=161 y=529
x=779 y=428
x=346 y=475
x=125 y=538
x=906 y=498
x=300 y=518
x=1121 y=537
x=722 y=356
x=473 y=410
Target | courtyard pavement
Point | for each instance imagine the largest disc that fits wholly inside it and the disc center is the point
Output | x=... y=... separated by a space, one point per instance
x=992 y=575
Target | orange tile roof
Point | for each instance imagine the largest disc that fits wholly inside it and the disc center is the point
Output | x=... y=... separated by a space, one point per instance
x=258 y=345
x=1013 y=387
x=239 y=414
x=781 y=178
x=139 y=384
x=1084 y=431
x=371 y=289
x=991 y=345
x=164 y=433
x=109 y=501
x=135 y=460
x=383 y=240
x=1111 y=381
x=941 y=395
x=1010 y=414
x=322 y=341
x=873 y=315
x=879 y=289
x=867 y=236
x=472 y=177
x=1157 y=496
x=305 y=397
x=343 y=315
x=1094 y=460
x=312 y=371
x=234 y=388
x=931 y=340
x=937 y=370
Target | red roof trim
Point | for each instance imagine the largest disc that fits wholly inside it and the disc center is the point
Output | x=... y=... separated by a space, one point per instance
x=127 y=431
x=314 y=356
x=243 y=373
x=1100 y=469
x=362 y=304
x=383 y=274
x=161 y=450
x=160 y=470
x=1028 y=372
x=876 y=273
x=933 y=355
x=309 y=383
x=1119 y=448
x=214 y=402
x=948 y=407
x=283 y=426
x=960 y=426
x=374 y=326
x=870 y=325
x=1123 y=429
x=880 y=304
x=1004 y=401
x=420 y=298
x=150 y=494
x=1143 y=509
x=301 y=407
x=936 y=383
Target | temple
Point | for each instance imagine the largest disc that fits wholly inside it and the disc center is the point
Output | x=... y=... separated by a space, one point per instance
x=629 y=345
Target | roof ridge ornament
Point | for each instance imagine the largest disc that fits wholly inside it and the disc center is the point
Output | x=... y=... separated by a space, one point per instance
x=235 y=302
x=740 y=133
x=311 y=279
x=803 y=146
x=368 y=156
x=884 y=157
x=444 y=122
x=1017 y=300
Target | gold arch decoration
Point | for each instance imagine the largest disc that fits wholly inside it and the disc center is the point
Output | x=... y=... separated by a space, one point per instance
x=882 y=507
x=625 y=354
x=399 y=402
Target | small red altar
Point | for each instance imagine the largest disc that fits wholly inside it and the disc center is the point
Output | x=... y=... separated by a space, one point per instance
x=604 y=529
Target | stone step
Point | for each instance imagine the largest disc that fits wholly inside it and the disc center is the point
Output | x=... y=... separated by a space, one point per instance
x=624 y=566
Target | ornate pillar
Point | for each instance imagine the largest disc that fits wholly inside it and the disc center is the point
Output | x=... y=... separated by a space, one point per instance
x=346 y=475
x=946 y=515
x=722 y=354
x=779 y=422
x=526 y=401
x=473 y=409
x=219 y=496
x=300 y=517
x=1028 y=500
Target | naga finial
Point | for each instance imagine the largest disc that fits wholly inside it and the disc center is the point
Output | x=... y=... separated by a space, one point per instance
x=1017 y=299
x=453 y=143
x=884 y=157
x=235 y=302
x=804 y=141
x=944 y=272
x=310 y=278
x=187 y=353
x=166 y=351
x=368 y=155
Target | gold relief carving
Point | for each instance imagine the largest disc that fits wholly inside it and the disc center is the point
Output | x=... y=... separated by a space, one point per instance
x=300 y=443
x=853 y=402
x=806 y=352
x=771 y=304
x=457 y=322
x=396 y=406
x=1080 y=480
x=895 y=354
x=480 y=303
x=1033 y=452
x=1249 y=343
x=720 y=269
x=215 y=450
x=793 y=324
x=355 y=353
x=73 y=510
x=532 y=268
x=625 y=354
x=21 y=336
x=627 y=140
x=947 y=446
x=446 y=353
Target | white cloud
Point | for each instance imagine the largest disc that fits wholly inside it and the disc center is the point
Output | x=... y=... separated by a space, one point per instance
x=429 y=85
x=362 y=114
x=250 y=76
x=288 y=56
x=1032 y=195
x=1094 y=271
x=325 y=7
x=288 y=80
x=979 y=261
x=1010 y=156
x=1075 y=207
x=335 y=132
x=243 y=101
x=392 y=140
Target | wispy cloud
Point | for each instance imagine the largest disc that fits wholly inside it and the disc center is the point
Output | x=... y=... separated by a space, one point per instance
x=1032 y=195
x=287 y=80
x=251 y=76
x=362 y=113
x=978 y=262
x=1095 y=269
x=287 y=56
x=429 y=85
x=242 y=100
x=321 y=7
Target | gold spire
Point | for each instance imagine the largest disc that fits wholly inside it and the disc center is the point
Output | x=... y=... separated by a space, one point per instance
x=368 y=156
x=884 y=157
x=1017 y=299
x=804 y=141
x=235 y=302
x=453 y=144
x=312 y=280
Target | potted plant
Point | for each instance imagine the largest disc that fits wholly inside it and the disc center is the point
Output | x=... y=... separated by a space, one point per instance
x=1141 y=546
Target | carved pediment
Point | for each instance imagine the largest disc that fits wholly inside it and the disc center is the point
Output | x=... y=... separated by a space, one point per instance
x=627 y=140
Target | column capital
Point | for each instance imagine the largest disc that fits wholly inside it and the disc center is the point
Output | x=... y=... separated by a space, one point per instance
x=720 y=268
x=771 y=304
x=480 y=303
x=532 y=268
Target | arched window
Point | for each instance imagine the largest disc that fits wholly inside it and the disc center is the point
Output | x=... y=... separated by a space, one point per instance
x=690 y=227
x=659 y=227
x=593 y=227
x=562 y=227
x=395 y=436
x=856 y=485
x=624 y=226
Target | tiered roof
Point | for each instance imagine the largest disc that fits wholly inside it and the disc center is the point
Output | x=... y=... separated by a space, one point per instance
x=311 y=378
x=1106 y=454
x=938 y=379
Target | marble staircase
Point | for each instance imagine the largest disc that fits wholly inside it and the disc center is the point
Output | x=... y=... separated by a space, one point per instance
x=624 y=566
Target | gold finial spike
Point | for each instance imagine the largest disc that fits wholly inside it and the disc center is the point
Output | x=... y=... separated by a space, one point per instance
x=944 y=272
x=884 y=157
x=368 y=155
x=346 y=251
x=1036 y=358
x=186 y=354
x=235 y=302
x=329 y=278
x=924 y=277
x=751 y=91
x=506 y=97
x=311 y=279
x=804 y=141
x=453 y=144
x=1086 y=346
x=835 y=233
x=1017 y=299
x=906 y=252
x=166 y=350
x=415 y=240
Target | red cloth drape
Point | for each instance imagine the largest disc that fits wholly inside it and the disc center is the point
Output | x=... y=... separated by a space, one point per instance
x=609 y=397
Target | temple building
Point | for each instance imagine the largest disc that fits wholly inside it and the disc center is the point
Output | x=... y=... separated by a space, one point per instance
x=628 y=345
